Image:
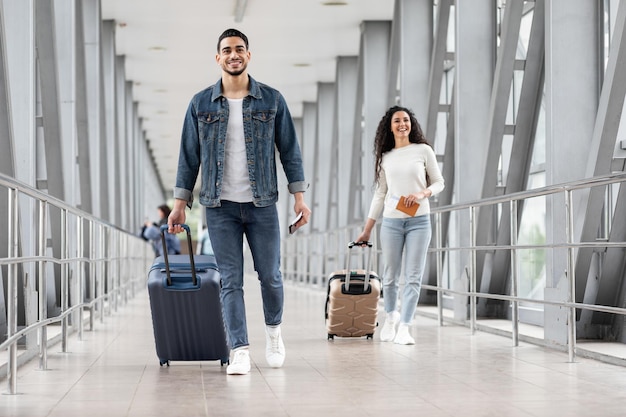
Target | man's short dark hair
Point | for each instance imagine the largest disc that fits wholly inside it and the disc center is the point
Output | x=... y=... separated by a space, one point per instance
x=230 y=33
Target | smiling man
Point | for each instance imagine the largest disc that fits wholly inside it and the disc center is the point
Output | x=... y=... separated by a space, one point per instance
x=232 y=131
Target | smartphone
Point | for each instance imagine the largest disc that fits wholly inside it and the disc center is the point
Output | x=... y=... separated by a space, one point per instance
x=293 y=226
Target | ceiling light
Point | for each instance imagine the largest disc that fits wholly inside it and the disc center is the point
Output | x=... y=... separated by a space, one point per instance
x=240 y=10
x=301 y=64
x=157 y=49
x=335 y=3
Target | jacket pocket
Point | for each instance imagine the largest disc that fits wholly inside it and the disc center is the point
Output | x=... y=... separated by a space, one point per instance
x=263 y=124
x=208 y=125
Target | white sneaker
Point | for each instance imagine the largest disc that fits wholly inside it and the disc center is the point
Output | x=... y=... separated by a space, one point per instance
x=274 y=347
x=240 y=365
x=403 y=337
x=389 y=328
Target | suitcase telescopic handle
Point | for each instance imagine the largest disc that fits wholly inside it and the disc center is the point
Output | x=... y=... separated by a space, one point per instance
x=366 y=281
x=165 y=255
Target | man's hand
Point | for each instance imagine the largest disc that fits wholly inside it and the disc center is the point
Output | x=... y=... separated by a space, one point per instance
x=177 y=217
x=301 y=207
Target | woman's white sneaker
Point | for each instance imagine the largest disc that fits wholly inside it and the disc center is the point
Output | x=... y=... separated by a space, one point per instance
x=403 y=337
x=389 y=328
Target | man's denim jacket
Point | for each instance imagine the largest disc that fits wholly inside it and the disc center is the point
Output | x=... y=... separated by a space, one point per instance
x=267 y=126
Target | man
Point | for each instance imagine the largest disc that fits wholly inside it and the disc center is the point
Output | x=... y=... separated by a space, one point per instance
x=232 y=130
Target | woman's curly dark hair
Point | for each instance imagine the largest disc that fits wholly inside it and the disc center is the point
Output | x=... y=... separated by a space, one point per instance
x=384 y=140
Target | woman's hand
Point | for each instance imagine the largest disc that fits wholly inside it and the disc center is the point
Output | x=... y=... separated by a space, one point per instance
x=414 y=198
x=367 y=231
x=363 y=237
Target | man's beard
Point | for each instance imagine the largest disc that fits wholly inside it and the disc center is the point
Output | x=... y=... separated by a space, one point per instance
x=235 y=73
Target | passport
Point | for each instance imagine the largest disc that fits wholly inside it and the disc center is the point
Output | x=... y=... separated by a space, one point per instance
x=408 y=210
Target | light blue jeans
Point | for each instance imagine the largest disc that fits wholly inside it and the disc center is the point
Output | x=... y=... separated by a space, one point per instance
x=411 y=235
x=227 y=225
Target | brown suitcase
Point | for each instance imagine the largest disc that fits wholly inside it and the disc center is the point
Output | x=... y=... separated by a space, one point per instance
x=352 y=300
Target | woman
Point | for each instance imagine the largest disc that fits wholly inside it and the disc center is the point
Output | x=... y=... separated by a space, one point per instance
x=204 y=243
x=152 y=232
x=406 y=166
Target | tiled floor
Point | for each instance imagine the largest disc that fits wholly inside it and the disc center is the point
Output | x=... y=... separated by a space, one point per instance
x=114 y=372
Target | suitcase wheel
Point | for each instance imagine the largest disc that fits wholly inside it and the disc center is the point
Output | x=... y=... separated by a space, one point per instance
x=331 y=336
x=224 y=361
x=370 y=336
x=164 y=362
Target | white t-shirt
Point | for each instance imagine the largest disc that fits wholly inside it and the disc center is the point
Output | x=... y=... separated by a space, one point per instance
x=236 y=181
x=403 y=172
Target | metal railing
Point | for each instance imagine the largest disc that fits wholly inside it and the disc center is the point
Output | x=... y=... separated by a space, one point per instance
x=95 y=265
x=308 y=259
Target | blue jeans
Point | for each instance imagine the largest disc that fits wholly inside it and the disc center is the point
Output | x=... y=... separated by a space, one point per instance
x=413 y=236
x=227 y=225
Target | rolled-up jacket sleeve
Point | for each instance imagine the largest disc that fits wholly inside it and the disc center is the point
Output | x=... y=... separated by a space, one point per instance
x=184 y=194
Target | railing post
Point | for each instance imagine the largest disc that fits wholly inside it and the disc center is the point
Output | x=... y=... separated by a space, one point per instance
x=472 y=276
x=43 y=286
x=111 y=270
x=65 y=278
x=571 y=276
x=101 y=271
x=79 y=273
x=118 y=276
x=92 y=273
x=439 y=257
x=12 y=290
x=120 y=271
x=514 y=283
x=126 y=271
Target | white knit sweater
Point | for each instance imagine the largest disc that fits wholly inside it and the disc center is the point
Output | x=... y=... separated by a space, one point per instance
x=403 y=172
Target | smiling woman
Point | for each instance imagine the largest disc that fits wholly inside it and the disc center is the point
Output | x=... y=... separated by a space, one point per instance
x=406 y=175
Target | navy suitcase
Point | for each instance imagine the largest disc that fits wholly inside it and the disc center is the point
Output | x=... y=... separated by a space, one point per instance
x=184 y=293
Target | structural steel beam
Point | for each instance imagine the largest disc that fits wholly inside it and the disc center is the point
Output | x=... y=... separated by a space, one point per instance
x=500 y=96
x=372 y=99
x=437 y=70
x=602 y=146
x=435 y=79
x=523 y=142
x=345 y=102
x=82 y=120
x=6 y=163
x=48 y=78
x=45 y=41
